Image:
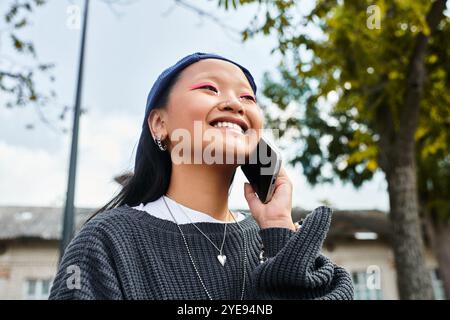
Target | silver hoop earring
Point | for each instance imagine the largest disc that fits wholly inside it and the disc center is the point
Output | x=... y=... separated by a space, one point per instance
x=160 y=145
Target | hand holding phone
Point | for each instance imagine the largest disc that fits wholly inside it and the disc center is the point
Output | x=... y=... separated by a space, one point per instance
x=262 y=169
x=269 y=194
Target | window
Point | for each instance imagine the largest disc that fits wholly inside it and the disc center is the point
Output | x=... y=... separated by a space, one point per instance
x=37 y=289
x=438 y=287
x=3 y=283
x=364 y=290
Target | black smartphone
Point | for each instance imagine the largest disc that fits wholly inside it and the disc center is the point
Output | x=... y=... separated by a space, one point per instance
x=262 y=169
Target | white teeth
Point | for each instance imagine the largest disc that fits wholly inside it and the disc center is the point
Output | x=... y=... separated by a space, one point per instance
x=229 y=125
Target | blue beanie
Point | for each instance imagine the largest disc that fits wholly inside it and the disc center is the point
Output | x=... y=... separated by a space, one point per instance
x=164 y=78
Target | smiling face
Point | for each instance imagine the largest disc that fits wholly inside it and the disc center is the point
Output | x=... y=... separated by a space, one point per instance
x=215 y=96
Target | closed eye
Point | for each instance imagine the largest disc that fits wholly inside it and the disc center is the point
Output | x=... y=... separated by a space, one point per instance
x=248 y=97
x=208 y=87
x=212 y=88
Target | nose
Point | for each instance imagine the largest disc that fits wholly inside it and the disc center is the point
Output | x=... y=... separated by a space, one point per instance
x=232 y=105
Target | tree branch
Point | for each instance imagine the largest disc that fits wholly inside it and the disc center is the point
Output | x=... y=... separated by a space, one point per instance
x=416 y=77
x=216 y=20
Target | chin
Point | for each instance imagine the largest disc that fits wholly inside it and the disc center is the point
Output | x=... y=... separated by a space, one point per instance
x=228 y=152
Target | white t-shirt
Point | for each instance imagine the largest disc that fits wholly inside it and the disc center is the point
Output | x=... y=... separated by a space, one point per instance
x=158 y=209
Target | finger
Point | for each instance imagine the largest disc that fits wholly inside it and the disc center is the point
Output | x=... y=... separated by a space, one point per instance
x=252 y=199
x=283 y=186
x=282 y=178
x=282 y=172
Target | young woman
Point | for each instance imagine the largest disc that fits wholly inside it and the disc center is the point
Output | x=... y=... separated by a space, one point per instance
x=169 y=234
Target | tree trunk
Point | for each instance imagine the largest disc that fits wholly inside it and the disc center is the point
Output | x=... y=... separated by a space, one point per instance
x=413 y=277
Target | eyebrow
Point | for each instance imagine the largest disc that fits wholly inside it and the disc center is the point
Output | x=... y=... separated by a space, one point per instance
x=217 y=78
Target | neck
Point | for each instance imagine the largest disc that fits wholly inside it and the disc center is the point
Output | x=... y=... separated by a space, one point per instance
x=202 y=187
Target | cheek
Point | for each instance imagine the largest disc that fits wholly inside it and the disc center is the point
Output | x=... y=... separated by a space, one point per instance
x=186 y=113
x=256 y=118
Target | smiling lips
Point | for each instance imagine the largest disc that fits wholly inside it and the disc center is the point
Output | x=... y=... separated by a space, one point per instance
x=230 y=123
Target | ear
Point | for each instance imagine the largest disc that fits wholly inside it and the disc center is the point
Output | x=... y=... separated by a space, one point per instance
x=157 y=123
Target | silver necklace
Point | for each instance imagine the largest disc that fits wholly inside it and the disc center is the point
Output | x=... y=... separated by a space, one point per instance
x=192 y=260
x=221 y=257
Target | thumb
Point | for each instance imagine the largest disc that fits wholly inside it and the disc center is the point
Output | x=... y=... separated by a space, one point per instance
x=254 y=203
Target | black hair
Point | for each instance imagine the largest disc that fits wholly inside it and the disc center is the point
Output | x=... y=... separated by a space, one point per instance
x=153 y=169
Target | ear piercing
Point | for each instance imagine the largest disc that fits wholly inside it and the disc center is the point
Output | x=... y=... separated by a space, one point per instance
x=161 y=146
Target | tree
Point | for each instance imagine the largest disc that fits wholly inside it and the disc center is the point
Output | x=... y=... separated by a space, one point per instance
x=22 y=76
x=386 y=64
x=434 y=195
x=433 y=154
x=18 y=78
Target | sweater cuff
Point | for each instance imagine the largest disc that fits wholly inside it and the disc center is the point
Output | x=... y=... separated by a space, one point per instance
x=274 y=239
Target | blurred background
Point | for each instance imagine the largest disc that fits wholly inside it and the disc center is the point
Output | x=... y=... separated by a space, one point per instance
x=359 y=91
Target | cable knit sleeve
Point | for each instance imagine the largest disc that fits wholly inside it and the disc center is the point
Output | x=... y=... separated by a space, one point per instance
x=86 y=271
x=295 y=268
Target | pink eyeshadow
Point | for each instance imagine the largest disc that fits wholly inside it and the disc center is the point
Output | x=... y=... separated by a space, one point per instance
x=195 y=86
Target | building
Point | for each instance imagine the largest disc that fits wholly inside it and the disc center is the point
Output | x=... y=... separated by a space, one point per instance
x=357 y=240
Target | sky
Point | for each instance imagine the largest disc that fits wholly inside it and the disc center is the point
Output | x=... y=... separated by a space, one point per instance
x=127 y=48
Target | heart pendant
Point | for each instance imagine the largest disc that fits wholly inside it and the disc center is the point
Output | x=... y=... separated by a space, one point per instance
x=222 y=258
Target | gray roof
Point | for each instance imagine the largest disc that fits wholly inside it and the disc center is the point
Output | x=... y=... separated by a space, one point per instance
x=35 y=222
x=346 y=223
x=45 y=222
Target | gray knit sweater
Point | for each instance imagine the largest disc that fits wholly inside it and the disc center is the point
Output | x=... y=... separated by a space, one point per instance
x=124 y=253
